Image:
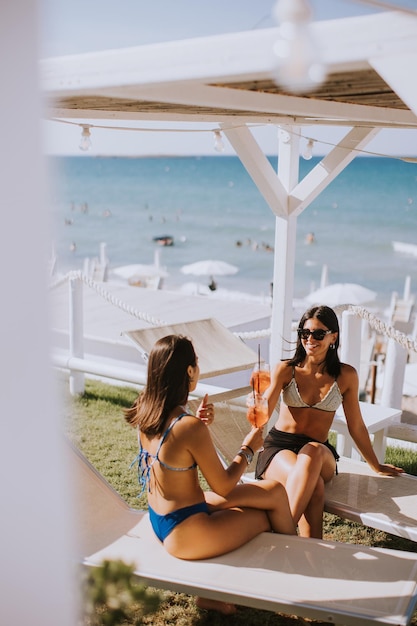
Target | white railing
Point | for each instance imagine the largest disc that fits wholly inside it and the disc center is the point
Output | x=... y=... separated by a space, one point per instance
x=74 y=360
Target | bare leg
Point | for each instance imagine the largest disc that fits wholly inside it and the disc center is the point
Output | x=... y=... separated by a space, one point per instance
x=203 y=536
x=311 y=523
x=301 y=483
x=267 y=495
x=301 y=474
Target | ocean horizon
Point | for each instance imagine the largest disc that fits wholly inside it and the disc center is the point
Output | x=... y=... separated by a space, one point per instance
x=211 y=208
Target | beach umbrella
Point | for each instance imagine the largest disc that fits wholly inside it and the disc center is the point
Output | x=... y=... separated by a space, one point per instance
x=341 y=293
x=209 y=267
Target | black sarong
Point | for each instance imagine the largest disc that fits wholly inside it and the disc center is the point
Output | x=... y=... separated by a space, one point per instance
x=277 y=440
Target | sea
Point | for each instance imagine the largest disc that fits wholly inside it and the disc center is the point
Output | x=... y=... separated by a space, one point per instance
x=212 y=209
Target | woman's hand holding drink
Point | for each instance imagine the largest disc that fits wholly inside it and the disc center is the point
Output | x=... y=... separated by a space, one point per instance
x=261 y=377
x=257 y=412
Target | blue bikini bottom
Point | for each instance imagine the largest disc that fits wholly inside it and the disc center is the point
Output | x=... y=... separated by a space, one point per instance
x=164 y=524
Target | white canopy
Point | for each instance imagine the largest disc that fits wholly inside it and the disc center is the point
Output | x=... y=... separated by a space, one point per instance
x=226 y=80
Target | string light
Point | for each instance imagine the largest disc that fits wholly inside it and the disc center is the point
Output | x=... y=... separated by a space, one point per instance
x=85 y=142
x=307 y=153
x=297 y=66
x=407 y=159
x=218 y=141
x=358 y=150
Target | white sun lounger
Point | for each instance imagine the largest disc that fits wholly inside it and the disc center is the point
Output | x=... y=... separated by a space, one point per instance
x=334 y=582
x=219 y=351
x=356 y=493
x=383 y=502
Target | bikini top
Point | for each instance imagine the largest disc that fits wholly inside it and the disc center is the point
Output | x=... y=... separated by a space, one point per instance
x=292 y=398
x=145 y=459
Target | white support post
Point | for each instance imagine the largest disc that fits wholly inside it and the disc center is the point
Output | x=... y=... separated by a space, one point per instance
x=76 y=333
x=259 y=168
x=329 y=167
x=86 y=267
x=351 y=340
x=285 y=241
x=395 y=362
x=407 y=288
x=283 y=288
x=103 y=254
x=324 y=278
x=350 y=352
x=38 y=550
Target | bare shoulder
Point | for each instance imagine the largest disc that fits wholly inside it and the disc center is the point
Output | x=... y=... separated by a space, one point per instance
x=190 y=422
x=347 y=371
x=190 y=434
x=192 y=427
x=187 y=423
x=282 y=372
x=283 y=366
x=348 y=378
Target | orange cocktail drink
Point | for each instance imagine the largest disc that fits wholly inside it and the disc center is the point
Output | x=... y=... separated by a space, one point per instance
x=257 y=410
x=261 y=377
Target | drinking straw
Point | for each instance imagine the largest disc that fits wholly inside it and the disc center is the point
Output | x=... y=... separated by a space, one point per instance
x=259 y=365
x=254 y=402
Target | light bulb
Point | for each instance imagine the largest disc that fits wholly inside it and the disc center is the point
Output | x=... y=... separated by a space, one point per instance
x=218 y=141
x=85 y=142
x=308 y=150
x=297 y=67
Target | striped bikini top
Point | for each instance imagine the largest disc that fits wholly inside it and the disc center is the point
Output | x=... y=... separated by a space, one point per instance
x=292 y=398
x=145 y=459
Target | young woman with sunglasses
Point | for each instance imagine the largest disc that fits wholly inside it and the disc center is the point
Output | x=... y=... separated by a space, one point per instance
x=311 y=386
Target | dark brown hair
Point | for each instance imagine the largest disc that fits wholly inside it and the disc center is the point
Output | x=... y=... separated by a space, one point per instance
x=167 y=385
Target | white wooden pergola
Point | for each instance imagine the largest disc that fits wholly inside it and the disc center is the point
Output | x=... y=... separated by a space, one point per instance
x=226 y=80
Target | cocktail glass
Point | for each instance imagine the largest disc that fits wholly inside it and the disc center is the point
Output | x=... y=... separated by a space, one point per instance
x=257 y=412
x=261 y=377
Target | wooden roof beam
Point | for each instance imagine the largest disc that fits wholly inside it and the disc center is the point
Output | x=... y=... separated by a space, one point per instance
x=223 y=98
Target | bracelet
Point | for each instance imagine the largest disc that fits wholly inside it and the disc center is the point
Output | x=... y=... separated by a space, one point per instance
x=245 y=455
x=244 y=445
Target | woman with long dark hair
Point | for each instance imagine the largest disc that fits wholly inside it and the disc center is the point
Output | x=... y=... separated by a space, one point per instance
x=311 y=386
x=192 y=523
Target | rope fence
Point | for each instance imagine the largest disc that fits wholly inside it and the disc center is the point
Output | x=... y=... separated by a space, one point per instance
x=384 y=329
x=374 y=322
x=108 y=297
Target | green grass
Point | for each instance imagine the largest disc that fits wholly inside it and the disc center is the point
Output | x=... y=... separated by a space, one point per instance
x=96 y=425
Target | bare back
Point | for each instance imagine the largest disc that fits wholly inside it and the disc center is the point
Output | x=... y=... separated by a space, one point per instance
x=173 y=477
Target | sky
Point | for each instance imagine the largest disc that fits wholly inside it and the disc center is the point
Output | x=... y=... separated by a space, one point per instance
x=91 y=25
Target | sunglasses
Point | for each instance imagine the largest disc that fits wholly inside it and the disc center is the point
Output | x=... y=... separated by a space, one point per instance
x=318 y=335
